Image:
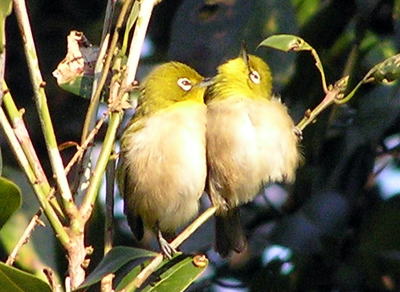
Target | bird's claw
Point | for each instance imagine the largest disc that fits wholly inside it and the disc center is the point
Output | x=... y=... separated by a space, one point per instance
x=298 y=133
x=165 y=247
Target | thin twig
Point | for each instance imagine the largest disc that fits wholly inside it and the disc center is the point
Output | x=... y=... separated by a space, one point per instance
x=333 y=95
x=108 y=243
x=106 y=282
x=146 y=8
x=24 y=163
x=24 y=237
x=42 y=108
x=108 y=19
x=90 y=116
x=82 y=148
x=152 y=266
x=2 y=68
x=91 y=192
x=20 y=131
x=52 y=279
x=145 y=11
x=107 y=64
x=101 y=164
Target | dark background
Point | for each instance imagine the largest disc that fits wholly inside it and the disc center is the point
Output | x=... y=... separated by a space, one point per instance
x=338 y=230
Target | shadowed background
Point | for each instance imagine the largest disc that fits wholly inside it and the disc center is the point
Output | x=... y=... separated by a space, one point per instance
x=336 y=228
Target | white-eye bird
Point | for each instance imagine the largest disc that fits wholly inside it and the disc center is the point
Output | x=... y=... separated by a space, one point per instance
x=251 y=141
x=162 y=167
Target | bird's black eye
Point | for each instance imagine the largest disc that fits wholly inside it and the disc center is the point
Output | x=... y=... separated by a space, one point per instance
x=184 y=83
x=255 y=77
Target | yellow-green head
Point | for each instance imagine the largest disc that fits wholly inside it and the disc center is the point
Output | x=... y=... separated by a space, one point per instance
x=246 y=76
x=168 y=84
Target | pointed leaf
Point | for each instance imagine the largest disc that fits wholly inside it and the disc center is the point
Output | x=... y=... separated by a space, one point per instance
x=10 y=199
x=134 y=272
x=289 y=42
x=12 y=279
x=179 y=276
x=113 y=260
x=174 y=275
x=286 y=43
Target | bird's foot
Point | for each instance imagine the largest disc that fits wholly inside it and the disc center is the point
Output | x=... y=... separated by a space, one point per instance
x=298 y=133
x=166 y=248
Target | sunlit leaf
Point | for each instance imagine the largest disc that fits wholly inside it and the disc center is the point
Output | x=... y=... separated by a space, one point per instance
x=286 y=43
x=174 y=275
x=12 y=279
x=115 y=259
x=10 y=199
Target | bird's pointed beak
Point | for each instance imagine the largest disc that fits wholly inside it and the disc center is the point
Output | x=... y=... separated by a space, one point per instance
x=206 y=82
x=243 y=54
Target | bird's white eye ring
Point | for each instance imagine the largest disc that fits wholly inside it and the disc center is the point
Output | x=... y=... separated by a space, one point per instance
x=255 y=77
x=184 y=83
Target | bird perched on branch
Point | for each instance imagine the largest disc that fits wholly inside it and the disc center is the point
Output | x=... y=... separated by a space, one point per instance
x=162 y=167
x=251 y=141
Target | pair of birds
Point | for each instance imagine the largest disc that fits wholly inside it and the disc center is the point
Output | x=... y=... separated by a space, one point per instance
x=227 y=135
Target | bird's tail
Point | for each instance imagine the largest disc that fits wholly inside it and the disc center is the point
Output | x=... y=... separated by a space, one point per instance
x=229 y=235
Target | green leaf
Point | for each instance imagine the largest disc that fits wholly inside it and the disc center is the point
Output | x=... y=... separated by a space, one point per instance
x=12 y=279
x=178 y=277
x=286 y=43
x=10 y=199
x=113 y=260
x=173 y=275
x=5 y=10
x=81 y=86
x=289 y=42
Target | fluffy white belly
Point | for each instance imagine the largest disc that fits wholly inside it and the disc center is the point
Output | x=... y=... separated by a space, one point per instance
x=167 y=168
x=249 y=143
